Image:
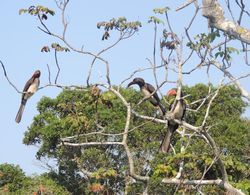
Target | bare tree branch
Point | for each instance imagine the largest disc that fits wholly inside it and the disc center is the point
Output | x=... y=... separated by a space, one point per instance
x=6 y=76
x=244 y=92
x=184 y=5
x=217 y=182
x=213 y=11
x=102 y=51
x=49 y=77
x=124 y=140
x=217 y=153
x=58 y=67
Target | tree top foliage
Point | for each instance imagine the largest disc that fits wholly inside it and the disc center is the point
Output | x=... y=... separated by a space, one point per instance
x=78 y=116
x=105 y=138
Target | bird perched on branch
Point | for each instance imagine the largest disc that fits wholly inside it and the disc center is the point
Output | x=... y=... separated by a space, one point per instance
x=149 y=92
x=177 y=111
x=29 y=89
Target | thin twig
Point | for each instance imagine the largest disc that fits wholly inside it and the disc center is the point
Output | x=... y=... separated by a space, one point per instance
x=6 y=76
x=184 y=5
x=58 y=67
x=49 y=74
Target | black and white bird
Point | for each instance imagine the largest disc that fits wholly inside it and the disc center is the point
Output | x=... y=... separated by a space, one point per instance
x=177 y=111
x=149 y=92
x=29 y=89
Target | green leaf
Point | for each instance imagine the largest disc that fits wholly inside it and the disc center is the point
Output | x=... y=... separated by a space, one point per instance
x=23 y=11
x=161 y=10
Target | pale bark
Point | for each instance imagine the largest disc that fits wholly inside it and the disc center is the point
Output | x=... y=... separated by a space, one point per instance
x=230 y=189
x=213 y=11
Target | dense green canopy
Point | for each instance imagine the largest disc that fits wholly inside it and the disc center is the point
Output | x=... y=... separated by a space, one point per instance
x=80 y=113
x=14 y=181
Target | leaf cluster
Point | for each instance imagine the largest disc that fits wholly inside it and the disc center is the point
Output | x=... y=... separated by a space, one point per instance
x=57 y=47
x=203 y=40
x=121 y=24
x=88 y=115
x=38 y=10
x=14 y=181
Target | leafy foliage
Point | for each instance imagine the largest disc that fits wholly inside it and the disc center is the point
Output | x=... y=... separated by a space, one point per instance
x=169 y=40
x=14 y=181
x=56 y=47
x=39 y=11
x=226 y=53
x=121 y=24
x=155 y=19
x=84 y=116
x=203 y=40
x=161 y=10
x=11 y=177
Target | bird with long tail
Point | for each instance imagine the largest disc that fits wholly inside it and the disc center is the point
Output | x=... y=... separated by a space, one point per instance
x=29 y=89
x=149 y=92
x=177 y=111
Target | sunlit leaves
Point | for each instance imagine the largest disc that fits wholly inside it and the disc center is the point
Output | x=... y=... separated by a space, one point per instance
x=103 y=173
x=203 y=40
x=45 y=49
x=169 y=40
x=56 y=47
x=121 y=24
x=14 y=181
x=96 y=187
x=161 y=10
x=164 y=170
x=226 y=53
x=244 y=185
x=11 y=178
x=38 y=10
x=155 y=20
x=169 y=44
x=82 y=113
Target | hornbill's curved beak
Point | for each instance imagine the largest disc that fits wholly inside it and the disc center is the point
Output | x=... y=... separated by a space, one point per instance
x=131 y=83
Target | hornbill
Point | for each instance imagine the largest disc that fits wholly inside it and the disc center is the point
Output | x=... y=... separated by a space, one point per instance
x=177 y=111
x=148 y=91
x=29 y=89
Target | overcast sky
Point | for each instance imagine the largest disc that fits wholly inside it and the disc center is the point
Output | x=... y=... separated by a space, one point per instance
x=21 y=42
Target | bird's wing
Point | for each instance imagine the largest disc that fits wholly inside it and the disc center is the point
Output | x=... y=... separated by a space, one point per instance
x=171 y=102
x=151 y=89
x=178 y=108
x=27 y=85
x=165 y=145
x=184 y=105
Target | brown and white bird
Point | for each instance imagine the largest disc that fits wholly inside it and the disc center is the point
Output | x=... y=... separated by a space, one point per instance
x=29 y=89
x=177 y=111
x=147 y=90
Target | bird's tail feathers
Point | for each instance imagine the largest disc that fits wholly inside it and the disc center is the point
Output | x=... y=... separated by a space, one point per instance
x=163 y=110
x=165 y=144
x=20 y=111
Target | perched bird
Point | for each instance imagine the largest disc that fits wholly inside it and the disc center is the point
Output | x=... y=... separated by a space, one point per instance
x=147 y=91
x=29 y=89
x=177 y=111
